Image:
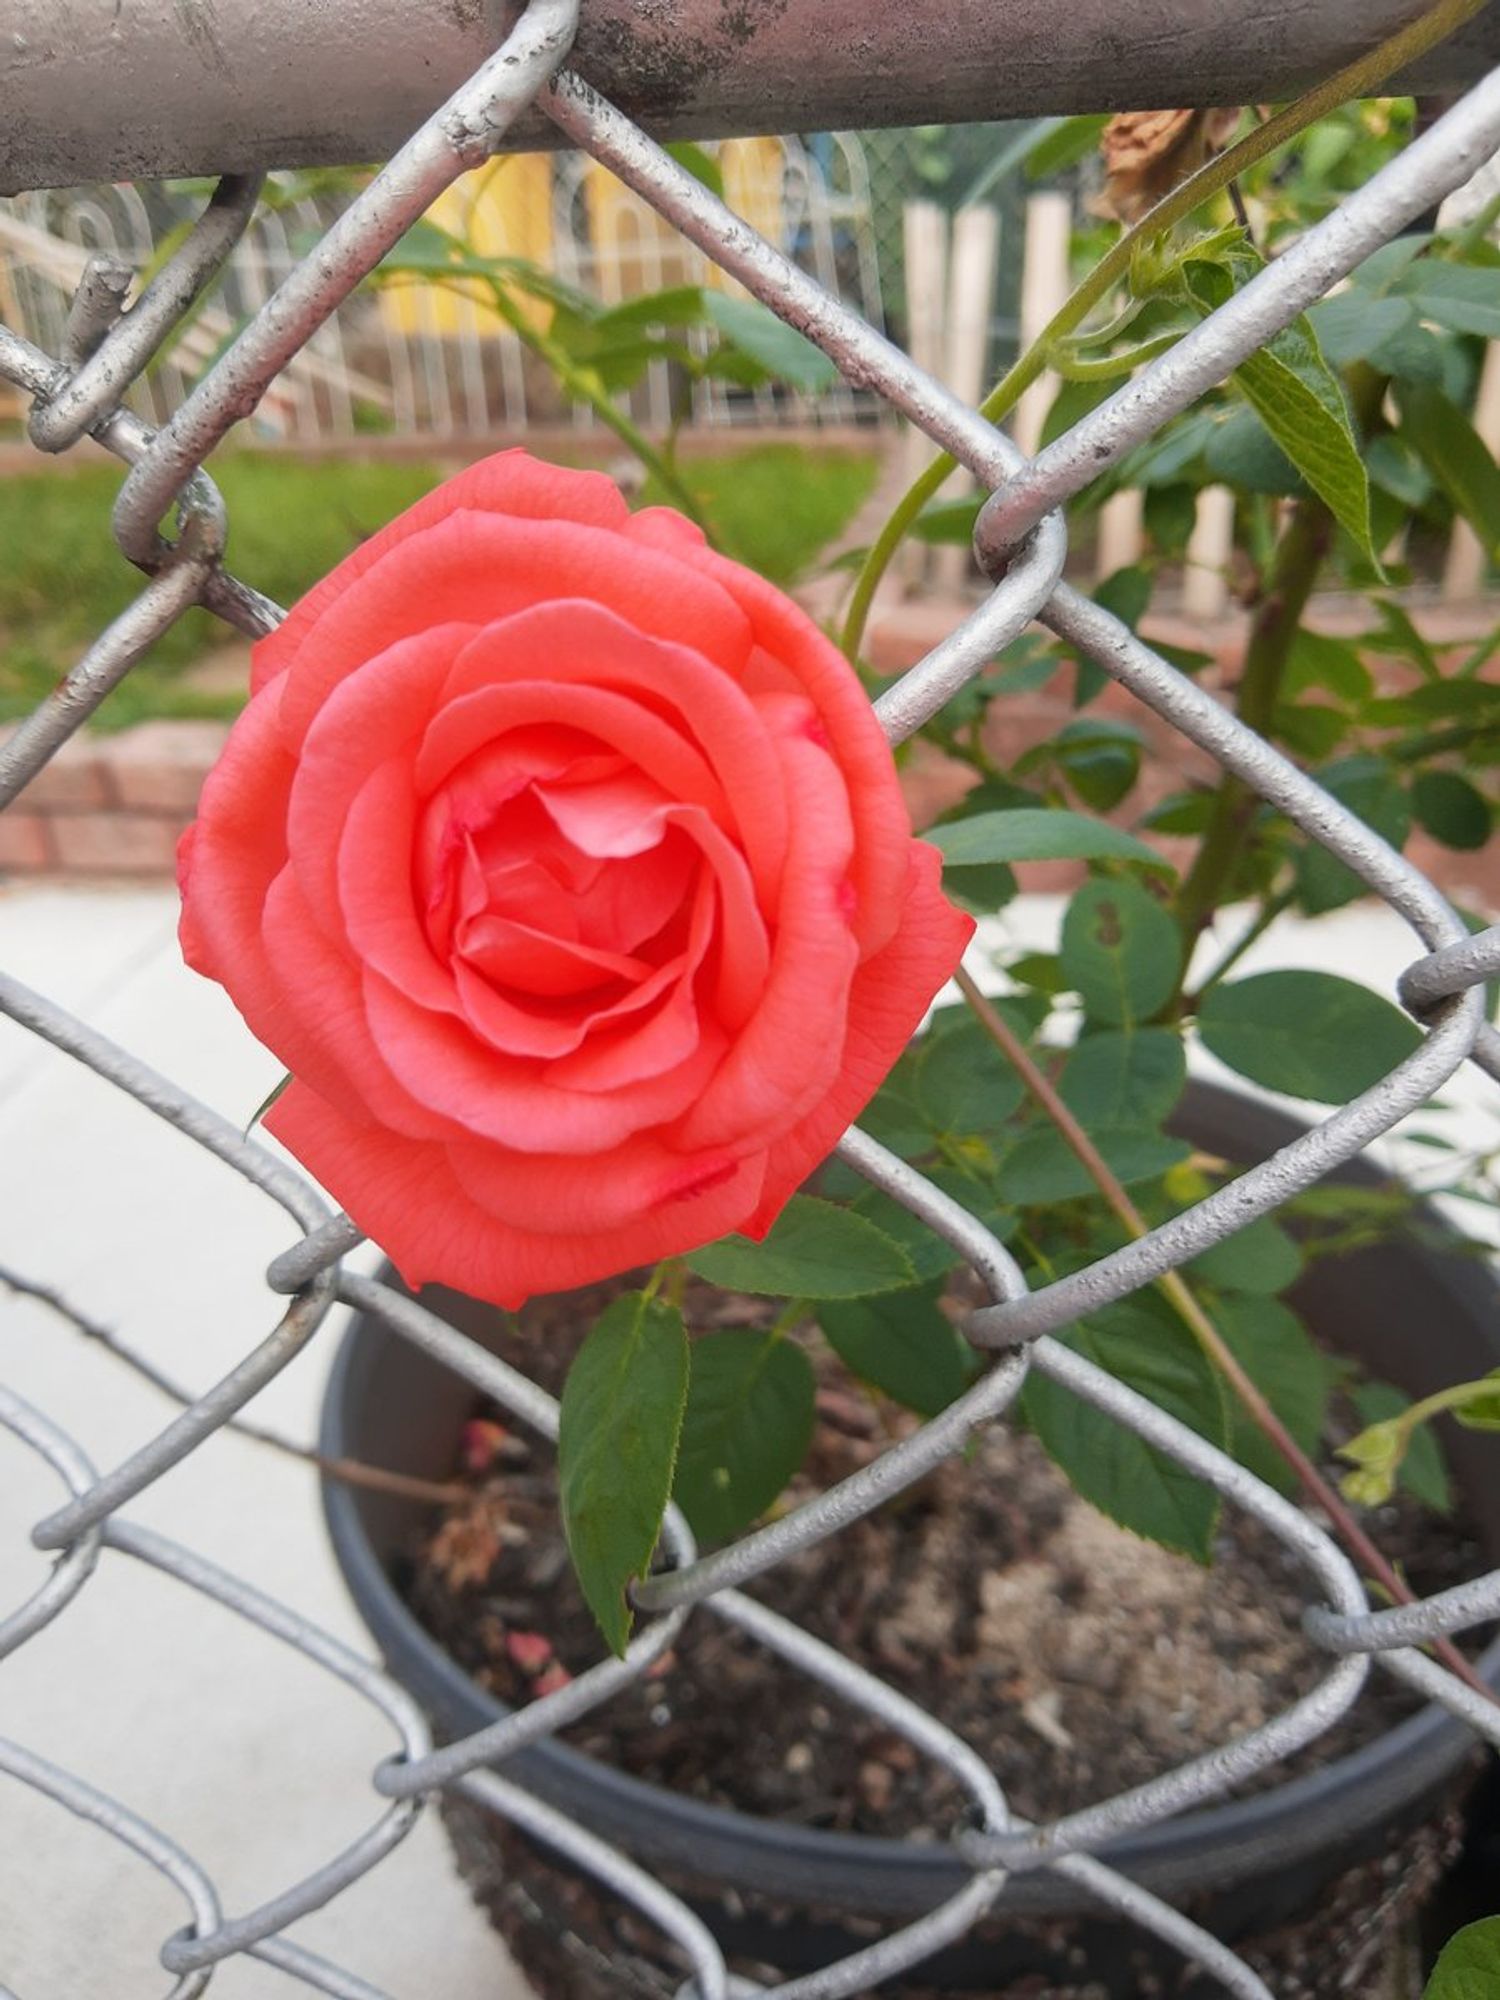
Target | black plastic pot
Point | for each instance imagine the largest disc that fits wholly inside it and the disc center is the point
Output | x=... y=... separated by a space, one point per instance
x=1415 y=1316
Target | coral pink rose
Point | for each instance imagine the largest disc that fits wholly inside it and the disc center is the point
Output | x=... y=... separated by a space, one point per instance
x=563 y=864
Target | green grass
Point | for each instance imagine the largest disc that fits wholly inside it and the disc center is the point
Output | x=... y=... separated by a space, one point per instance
x=62 y=579
x=775 y=507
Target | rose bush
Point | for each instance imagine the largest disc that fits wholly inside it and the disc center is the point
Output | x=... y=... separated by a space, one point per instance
x=563 y=864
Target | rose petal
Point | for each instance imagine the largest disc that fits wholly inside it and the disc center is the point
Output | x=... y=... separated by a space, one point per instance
x=576 y=642
x=476 y=569
x=518 y=1103
x=882 y=825
x=890 y=994
x=377 y=714
x=509 y=482
x=787 y=1053
x=406 y=1196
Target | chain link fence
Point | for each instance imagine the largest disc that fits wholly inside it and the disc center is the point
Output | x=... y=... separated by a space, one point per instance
x=78 y=392
x=421 y=359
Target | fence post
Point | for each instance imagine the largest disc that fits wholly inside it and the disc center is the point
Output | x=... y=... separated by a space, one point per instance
x=1464 y=570
x=971 y=291
x=1205 y=587
x=924 y=231
x=1044 y=287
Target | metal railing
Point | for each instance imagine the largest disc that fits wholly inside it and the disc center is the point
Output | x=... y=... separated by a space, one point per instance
x=76 y=393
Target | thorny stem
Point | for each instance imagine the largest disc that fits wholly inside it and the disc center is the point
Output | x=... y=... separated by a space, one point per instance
x=349 y=1471
x=1267 y=914
x=1175 y=1289
x=1361 y=78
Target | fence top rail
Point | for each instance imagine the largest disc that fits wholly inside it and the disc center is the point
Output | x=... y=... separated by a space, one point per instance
x=197 y=88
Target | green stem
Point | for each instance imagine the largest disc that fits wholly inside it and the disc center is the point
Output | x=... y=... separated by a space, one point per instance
x=1299 y=557
x=1357 y=79
x=1455 y=1397
x=1074 y=367
x=1269 y=911
x=1278 y=617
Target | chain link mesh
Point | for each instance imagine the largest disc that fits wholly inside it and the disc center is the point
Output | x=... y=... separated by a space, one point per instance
x=1021 y=540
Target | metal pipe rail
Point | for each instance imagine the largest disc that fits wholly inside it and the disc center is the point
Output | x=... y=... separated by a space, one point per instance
x=242 y=86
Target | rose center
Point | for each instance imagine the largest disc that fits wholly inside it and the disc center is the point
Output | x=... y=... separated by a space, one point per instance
x=572 y=889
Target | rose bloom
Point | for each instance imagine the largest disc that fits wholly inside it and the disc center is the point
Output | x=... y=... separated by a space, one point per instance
x=563 y=864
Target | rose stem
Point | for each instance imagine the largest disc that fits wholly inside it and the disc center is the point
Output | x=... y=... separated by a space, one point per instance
x=349 y=1471
x=1175 y=1289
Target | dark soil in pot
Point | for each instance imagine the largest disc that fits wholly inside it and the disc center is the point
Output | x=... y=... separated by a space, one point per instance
x=1076 y=1659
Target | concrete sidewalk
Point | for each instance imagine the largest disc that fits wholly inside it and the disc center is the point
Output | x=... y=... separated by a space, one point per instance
x=255 y=1761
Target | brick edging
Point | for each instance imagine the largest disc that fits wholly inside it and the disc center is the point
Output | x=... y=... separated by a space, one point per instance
x=111 y=805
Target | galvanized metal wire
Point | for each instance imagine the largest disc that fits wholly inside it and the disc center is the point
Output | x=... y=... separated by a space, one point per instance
x=1022 y=538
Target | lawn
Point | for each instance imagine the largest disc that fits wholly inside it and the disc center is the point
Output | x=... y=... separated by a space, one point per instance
x=290 y=520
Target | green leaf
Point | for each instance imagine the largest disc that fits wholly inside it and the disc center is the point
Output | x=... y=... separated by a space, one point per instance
x=1369 y=787
x=892 y=1115
x=1481 y=1412
x=1464 y=298
x=963 y=1082
x=1064 y=144
x=265 y=1103
x=813 y=1251
x=1242 y=452
x=903 y=1345
x=1468 y=1966
x=1318 y=660
x=1259 y=1258
x=1299 y=400
x=1126 y=1077
x=622 y=1408
x=1382 y=269
x=1395 y=468
x=1042 y=1167
x=677 y=305
x=1144 y=1344
x=1100 y=760
x=1351 y=325
x=1310 y=728
x=930 y=1256
x=1182 y=812
x=779 y=348
x=1171 y=514
x=1456 y=456
x=700 y=164
x=1295 y=1377
x=1452 y=810
x=982 y=890
x=1035 y=833
x=1120 y=951
x=1414 y=356
x=749 y=1422
x=1423 y=1471
x=1308 y=1034
x=1037 y=969
x=949 y=521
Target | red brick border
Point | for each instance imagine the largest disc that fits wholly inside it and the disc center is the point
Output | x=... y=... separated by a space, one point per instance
x=115 y=805
x=111 y=805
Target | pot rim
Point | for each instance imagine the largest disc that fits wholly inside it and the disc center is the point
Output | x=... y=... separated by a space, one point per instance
x=1202 y=1849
